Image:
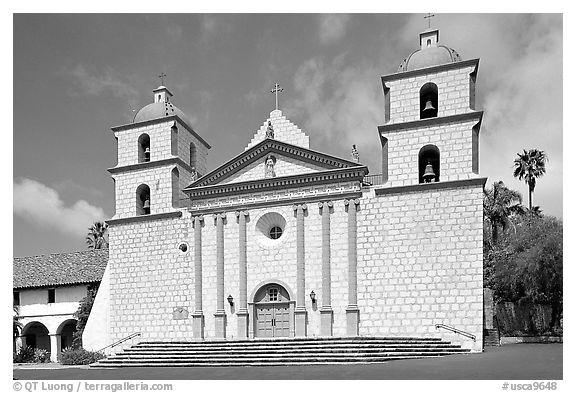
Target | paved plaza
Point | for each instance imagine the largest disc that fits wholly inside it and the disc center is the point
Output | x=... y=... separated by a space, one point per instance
x=509 y=362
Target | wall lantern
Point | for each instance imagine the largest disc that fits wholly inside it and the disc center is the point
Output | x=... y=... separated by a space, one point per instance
x=313 y=297
x=230 y=300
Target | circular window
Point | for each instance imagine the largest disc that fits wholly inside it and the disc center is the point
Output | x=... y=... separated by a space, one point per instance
x=272 y=229
x=275 y=232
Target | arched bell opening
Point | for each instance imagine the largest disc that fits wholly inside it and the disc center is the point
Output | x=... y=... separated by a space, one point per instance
x=143 y=200
x=144 y=148
x=428 y=101
x=429 y=164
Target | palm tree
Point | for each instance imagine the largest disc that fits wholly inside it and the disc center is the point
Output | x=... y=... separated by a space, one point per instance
x=16 y=325
x=500 y=203
x=529 y=166
x=97 y=235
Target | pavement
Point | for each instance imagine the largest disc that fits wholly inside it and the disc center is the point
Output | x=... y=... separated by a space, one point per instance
x=508 y=362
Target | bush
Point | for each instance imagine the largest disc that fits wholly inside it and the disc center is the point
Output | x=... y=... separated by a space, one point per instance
x=71 y=356
x=41 y=356
x=25 y=355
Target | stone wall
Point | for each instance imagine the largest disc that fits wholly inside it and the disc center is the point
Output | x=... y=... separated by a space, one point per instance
x=160 y=144
x=454 y=94
x=454 y=140
x=284 y=130
x=419 y=264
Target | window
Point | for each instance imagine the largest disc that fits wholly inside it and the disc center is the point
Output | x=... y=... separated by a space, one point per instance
x=429 y=164
x=52 y=295
x=428 y=101
x=275 y=232
x=16 y=298
x=273 y=294
x=144 y=148
x=143 y=203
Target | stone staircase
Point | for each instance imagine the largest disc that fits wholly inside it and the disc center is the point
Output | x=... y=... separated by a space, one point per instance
x=279 y=352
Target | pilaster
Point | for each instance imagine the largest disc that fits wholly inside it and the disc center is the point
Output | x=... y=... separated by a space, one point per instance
x=326 y=313
x=220 y=314
x=352 y=310
x=198 y=314
x=300 y=313
x=242 y=313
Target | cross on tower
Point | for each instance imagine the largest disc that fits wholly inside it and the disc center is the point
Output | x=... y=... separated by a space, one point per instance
x=276 y=90
x=429 y=16
x=162 y=76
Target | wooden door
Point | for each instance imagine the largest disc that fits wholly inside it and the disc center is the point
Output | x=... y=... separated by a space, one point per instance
x=282 y=320
x=264 y=321
x=273 y=320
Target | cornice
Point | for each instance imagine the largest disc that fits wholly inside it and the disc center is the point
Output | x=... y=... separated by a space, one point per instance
x=433 y=121
x=430 y=70
x=144 y=218
x=258 y=205
x=479 y=181
x=264 y=147
x=278 y=183
x=151 y=164
x=181 y=122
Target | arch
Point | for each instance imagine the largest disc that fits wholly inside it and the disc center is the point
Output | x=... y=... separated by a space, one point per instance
x=66 y=331
x=265 y=283
x=143 y=144
x=174 y=140
x=143 y=195
x=37 y=335
x=429 y=154
x=428 y=101
x=175 y=187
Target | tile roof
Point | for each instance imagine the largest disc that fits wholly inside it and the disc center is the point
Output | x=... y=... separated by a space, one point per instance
x=60 y=269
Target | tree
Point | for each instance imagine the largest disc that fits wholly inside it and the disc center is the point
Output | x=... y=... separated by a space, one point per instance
x=16 y=325
x=499 y=204
x=529 y=166
x=97 y=235
x=82 y=315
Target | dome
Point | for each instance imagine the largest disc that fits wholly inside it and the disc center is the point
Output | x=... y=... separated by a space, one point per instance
x=430 y=53
x=160 y=109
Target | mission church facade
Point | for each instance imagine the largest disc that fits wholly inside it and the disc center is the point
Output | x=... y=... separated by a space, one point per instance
x=286 y=241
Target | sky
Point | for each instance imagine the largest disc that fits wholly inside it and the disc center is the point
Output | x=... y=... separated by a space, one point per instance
x=77 y=75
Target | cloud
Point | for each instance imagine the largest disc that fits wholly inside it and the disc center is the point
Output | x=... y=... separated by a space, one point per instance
x=332 y=27
x=341 y=104
x=107 y=82
x=42 y=205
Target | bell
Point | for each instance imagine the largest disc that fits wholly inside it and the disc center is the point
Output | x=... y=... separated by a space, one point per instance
x=429 y=174
x=147 y=204
x=147 y=154
x=429 y=107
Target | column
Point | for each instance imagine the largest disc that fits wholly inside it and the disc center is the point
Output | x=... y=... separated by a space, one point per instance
x=243 y=276
x=198 y=314
x=352 y=310
x=54 y=345
x=326 y=313
x=300 y=313
x=220 y=315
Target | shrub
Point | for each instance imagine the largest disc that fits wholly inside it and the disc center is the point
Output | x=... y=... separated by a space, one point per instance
x=41 y=356
x=24 y=355
x=71 y=356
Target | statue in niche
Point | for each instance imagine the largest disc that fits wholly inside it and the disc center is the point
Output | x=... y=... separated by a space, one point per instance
x=269 y=172
x=355 y=155
x=270 y=130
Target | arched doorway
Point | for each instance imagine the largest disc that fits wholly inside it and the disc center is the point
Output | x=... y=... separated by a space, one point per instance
x=272 y=310
x=36 y=335
x=66 y=331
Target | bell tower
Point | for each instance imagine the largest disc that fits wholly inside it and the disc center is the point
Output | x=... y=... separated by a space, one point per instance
x=159 y=154
x=432 y=126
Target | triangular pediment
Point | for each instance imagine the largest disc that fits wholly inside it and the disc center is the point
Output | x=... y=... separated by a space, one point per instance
x=289 y=160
